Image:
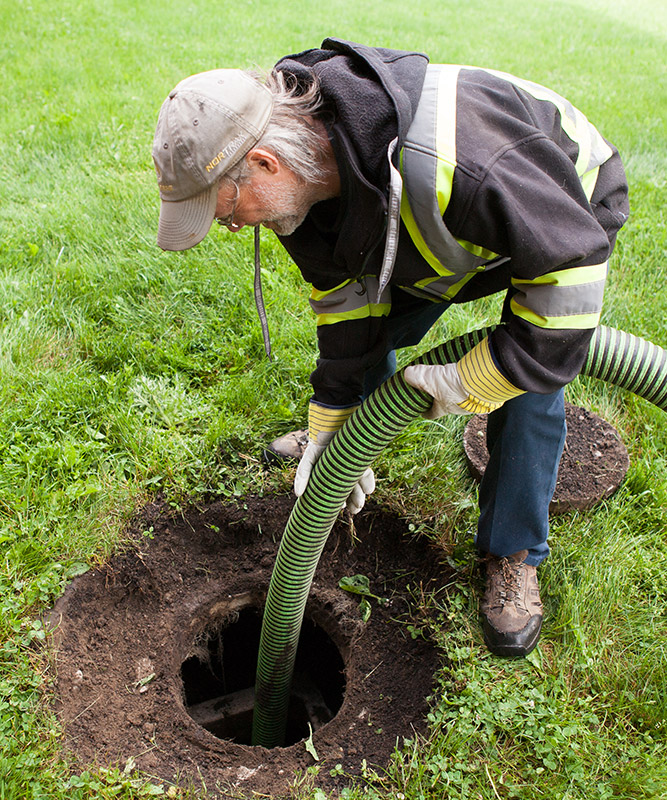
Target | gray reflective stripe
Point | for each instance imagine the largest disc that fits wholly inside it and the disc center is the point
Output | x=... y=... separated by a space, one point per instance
x=446 y=287
x=393 y=219
x=351 y=297
x=561 y=301
x=434 y=129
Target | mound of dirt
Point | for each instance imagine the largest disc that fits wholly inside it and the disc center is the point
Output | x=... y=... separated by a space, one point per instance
x=592 y=467
x=126 y=637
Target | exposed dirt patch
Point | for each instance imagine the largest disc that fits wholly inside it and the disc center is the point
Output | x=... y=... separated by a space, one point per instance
x=592 y=467
x=123 y=633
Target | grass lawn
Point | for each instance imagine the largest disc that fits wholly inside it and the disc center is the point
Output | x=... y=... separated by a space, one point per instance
x=126 y=372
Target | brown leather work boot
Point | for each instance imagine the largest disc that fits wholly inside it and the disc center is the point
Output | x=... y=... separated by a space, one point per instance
x=289 y=447
x=511 y=608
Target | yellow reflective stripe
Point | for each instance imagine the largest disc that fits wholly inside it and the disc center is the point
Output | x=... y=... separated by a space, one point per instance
x=327 y=421
x=444 y=177
x=584 y=142
x=576 y=276
x=477 y=250
x=487 y=387
x=417 y=238
x=369 y=310
x=318 y=294
x=588 y=181
x=570 y=322
x=349 y=300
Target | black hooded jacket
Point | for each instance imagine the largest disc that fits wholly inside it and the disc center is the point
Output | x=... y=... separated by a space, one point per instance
x=515 y=192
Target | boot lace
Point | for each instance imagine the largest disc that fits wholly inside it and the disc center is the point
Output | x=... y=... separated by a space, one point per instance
x=510 y=588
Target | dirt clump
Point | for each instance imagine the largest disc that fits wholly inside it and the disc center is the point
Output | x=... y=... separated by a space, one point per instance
x=592 y=467
x=123 y=633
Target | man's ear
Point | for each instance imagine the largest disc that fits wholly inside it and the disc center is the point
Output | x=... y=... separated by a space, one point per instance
x=263 y=160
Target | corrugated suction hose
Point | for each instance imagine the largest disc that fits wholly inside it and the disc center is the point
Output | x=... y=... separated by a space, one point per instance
x=614 y=356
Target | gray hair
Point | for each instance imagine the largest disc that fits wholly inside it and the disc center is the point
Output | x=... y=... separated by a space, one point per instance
x=290 y=134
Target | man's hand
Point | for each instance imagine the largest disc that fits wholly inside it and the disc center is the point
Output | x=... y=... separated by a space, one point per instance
x=443 y=383
x=355 y=502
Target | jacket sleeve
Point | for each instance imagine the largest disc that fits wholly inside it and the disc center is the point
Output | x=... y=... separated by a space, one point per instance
x=533 y=207
x=351 y=335
x=350 y=324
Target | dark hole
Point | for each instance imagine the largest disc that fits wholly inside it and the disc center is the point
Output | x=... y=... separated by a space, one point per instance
x=219 y=680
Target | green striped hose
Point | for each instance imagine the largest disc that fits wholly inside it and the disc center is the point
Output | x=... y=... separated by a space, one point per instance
x=614 y=356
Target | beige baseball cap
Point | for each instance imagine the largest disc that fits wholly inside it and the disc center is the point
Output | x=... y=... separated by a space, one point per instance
x=206 y=125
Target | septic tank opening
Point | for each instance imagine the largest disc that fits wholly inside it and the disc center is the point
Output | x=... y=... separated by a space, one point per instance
x=122 y=632
x=219 y=676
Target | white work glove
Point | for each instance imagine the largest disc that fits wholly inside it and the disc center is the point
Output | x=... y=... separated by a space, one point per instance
x=443 y=383
x=355 y=502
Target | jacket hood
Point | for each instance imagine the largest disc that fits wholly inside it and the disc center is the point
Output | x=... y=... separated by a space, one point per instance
x=372 y=92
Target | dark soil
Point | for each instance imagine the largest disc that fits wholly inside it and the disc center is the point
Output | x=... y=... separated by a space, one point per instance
x=592 y=467
x=123 y=633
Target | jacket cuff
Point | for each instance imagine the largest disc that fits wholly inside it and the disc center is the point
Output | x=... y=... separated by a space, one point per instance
x=324 y=421
x=487 y=387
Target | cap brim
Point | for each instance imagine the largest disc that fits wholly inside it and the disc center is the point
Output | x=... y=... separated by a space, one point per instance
x=184 y=223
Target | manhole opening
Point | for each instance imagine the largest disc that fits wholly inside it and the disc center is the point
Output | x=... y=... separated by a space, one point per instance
x=219 y=679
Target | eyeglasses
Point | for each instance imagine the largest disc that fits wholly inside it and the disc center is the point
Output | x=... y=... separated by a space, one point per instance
x=228 y=221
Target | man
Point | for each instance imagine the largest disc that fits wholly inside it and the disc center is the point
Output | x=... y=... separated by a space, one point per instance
x=399 y=187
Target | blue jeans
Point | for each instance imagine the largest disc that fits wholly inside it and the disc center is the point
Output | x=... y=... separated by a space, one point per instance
x=525 y=438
